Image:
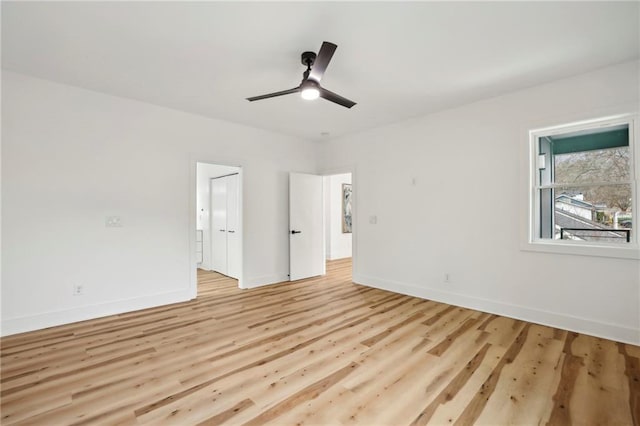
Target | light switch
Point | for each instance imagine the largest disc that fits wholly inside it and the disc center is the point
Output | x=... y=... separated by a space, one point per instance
x=113 y=222
x=373 y=219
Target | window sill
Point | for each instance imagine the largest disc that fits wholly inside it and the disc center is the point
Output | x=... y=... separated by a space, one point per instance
x=630 y=251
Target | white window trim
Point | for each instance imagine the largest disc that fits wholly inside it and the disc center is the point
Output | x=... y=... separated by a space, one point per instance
x=534 y=243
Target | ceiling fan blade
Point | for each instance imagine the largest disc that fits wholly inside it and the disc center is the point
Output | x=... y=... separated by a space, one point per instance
x=334 y=97
x=273 y=95
x=322 y=60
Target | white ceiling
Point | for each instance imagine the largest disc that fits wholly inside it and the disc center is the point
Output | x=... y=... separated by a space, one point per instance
x=397 y=60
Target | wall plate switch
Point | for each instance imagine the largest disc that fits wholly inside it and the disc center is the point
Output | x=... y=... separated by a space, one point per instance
x=113 y=222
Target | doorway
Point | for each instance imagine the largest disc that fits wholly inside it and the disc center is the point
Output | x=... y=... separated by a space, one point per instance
x=321 y=222
x=339 y=225
x=219 y=219
x=338 y=216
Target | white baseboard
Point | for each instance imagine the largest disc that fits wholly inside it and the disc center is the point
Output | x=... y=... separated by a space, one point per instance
x=50 y=319
x=338 y=254
x=254 y=282
x=342 y=256
x=605 y=330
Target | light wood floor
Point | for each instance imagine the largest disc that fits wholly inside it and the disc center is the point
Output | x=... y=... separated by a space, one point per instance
x=318 y=351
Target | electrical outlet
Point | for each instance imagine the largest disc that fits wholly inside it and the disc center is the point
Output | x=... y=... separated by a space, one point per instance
x=78 y=289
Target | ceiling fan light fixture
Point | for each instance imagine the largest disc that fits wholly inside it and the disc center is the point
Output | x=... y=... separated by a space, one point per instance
x=310 y=94
x=309 y=91
x=310 y=88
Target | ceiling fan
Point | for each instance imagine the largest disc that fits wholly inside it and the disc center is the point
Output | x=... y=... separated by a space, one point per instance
x=310 y=87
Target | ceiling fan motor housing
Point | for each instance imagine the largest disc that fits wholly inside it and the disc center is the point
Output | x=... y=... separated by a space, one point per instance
x=308 y=58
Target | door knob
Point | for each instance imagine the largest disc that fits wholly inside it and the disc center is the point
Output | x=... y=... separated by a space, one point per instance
x=296 y=232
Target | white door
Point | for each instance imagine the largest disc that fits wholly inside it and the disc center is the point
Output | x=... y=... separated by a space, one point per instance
x=306 y=242
x=233 y=228
x=219 y=225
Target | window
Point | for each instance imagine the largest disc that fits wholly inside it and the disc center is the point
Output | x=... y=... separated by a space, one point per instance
x=583 y=190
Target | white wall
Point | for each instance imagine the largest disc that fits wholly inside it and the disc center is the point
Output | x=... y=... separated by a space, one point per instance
x=206 y=172
x=338 y=244
x=71 y=157
x=475 y=157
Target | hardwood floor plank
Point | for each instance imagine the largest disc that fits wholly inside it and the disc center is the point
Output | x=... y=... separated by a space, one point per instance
x=452 y=388
x=76 y=370
x=277 y=380
x=521 y=382
x=570 y=367
x=473 y=411
x=26 y=409
x=375 y=339
x=323 y=410
x=318 y=351
x=449 y=410
x=441 y=347
x=632 y=372
x=309 y=393
x=601 y=377
x=227 y=414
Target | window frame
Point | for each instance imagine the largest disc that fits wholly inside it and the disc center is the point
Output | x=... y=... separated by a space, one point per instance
x=534 y=242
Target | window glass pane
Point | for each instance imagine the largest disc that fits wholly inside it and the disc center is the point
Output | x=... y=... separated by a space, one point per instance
x=597 y=213
x=603 y=165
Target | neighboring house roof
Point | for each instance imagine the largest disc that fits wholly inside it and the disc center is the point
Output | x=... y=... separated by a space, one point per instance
x=563 y=198
x=564 y=219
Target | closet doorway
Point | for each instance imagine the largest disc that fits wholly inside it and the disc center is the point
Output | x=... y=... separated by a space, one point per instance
x=225 y=235
x=219 y=219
